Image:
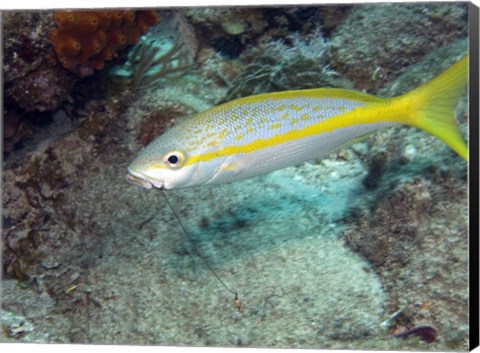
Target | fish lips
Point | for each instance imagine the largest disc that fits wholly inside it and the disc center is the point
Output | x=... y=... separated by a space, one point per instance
x=138 y=179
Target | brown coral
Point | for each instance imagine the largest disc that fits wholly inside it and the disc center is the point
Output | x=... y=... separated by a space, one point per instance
x=84 y=40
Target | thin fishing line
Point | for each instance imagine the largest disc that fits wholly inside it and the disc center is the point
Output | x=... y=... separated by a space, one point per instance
x=177 y=215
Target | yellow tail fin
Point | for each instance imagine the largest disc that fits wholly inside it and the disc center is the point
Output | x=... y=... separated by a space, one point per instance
x=433 y=106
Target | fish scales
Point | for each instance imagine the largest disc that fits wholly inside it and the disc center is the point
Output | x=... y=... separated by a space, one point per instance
x=241 y=124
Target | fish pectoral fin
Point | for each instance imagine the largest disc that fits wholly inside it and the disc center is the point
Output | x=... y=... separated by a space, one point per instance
x=230 y=167
x=355 y=140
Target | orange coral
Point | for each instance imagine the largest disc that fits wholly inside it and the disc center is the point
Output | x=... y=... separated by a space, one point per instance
x=84 y=40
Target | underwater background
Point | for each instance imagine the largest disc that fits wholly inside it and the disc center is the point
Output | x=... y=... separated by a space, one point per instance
x=366 y=249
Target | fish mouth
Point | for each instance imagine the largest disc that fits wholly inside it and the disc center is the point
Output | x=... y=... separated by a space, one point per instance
x=138 y=179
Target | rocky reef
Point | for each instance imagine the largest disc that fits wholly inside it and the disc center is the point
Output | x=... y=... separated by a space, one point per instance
x=366 y=249
x=370 y=53
x=47 y=54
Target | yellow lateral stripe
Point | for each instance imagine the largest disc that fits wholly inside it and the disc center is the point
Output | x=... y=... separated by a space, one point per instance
x=369 y=114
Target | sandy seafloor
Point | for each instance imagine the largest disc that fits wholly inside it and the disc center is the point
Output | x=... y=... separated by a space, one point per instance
x=318 y=259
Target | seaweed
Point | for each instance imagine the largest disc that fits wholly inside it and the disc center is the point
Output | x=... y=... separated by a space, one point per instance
x=151 y=66
x=285 y=64
x=153 y=60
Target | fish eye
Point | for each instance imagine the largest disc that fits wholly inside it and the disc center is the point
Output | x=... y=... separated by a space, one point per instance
x=174 y=159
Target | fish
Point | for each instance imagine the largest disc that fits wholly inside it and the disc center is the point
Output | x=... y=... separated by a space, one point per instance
x=255 y=135
x=426 y=333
